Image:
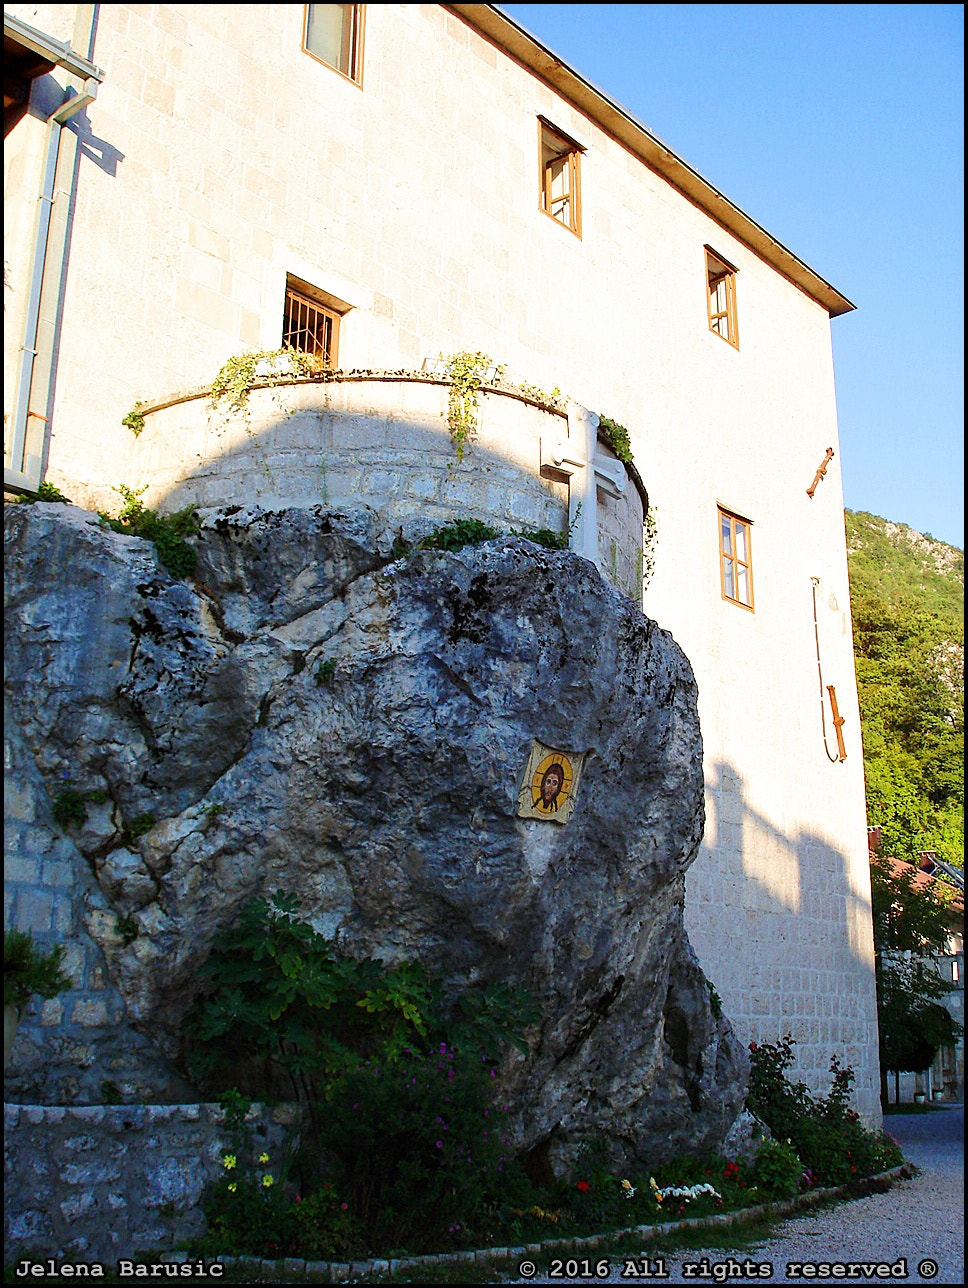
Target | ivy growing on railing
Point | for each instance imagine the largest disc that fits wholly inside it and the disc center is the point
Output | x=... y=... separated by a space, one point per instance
x=238 y=374
x=617 y=437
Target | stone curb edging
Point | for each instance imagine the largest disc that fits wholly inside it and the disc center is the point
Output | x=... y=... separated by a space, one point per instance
x=338 y=1272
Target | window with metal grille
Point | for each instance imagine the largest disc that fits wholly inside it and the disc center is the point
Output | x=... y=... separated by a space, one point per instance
x=560 y=166
x=721 y=297
x=310 y=327
x=735 y=559
x=333 y=33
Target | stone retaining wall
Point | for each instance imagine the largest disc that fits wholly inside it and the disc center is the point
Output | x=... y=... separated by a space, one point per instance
x=78 y=1047
x=382 y=441
x=101 y=1182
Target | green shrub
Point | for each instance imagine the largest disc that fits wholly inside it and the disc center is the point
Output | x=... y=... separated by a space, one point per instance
x=324 y=1228
x=69 y=807
x=546 y=537
x=48 y=492
x=281 y=1014
x=127 y=927
x=28 y=971
x=473 y=532
x=777 y=1169
x=168 y=532
x=457 y=534
x=325 y=671
x=421 y=1145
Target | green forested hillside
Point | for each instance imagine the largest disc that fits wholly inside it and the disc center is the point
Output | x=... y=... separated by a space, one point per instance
x=907 y=601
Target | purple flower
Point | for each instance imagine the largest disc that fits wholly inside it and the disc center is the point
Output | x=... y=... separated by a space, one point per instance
x=440 y=1144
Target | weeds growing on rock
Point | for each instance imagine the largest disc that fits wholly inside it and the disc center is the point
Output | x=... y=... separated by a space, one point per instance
x=168 y=532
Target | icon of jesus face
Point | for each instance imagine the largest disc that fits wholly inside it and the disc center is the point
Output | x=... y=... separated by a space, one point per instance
x=551 y=784
x=550 y=777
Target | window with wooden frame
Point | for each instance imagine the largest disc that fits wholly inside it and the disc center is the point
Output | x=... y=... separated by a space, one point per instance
x=721 y=297
x=310 y=322
x=735 y=559
x=333 y=33
x=560 y=171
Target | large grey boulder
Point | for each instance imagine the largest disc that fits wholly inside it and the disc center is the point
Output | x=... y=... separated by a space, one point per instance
x=314 y=715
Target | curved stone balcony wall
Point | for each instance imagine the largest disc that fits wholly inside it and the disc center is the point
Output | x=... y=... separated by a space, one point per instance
x=383 y=441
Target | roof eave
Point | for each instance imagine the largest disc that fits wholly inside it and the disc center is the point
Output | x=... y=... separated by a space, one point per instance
x=513 y=39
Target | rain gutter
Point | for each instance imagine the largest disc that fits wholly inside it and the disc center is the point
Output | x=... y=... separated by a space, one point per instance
x=27 y=444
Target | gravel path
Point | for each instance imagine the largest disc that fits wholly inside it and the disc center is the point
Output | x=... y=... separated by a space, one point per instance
x=918 y=1222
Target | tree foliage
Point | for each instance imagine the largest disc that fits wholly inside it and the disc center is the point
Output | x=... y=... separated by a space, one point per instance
x=907 y=605
x=908 y=917
x=911 y=924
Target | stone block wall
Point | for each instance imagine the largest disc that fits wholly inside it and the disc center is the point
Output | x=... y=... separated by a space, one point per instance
x=77 y=1047
x=102 y=1182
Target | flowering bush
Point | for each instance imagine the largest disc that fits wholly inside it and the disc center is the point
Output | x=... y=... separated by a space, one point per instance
x=324 y=1228
x=422 y=1145
x=833 y=1145
x=246 y=1210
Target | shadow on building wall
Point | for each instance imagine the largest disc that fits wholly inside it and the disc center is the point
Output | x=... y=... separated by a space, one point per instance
x=790 y=947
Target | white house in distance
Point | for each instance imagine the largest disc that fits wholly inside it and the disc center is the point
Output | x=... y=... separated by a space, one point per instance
x=384 y=184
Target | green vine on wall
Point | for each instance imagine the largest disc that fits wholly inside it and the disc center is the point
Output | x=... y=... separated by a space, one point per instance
x=552 y=398
x=135 y=420
x=466 y=372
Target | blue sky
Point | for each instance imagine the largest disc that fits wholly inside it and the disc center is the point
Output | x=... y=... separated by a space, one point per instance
x=840 y=129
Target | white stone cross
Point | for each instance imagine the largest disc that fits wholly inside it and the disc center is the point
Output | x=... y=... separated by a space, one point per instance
x=571 y=456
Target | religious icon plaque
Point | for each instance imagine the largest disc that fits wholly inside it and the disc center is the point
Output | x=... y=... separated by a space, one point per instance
x=549 y=784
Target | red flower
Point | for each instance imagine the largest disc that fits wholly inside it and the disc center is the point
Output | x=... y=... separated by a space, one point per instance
x=583 y=1186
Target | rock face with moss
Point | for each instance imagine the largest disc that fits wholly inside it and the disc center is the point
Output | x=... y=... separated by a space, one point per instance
x=315 y=715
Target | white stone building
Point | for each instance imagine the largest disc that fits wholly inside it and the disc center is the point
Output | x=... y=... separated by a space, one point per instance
x=406 y=181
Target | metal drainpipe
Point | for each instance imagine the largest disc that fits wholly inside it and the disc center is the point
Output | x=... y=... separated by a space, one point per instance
x=26 y=470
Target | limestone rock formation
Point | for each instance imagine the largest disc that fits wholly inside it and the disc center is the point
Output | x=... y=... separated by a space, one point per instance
x=314 y=715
